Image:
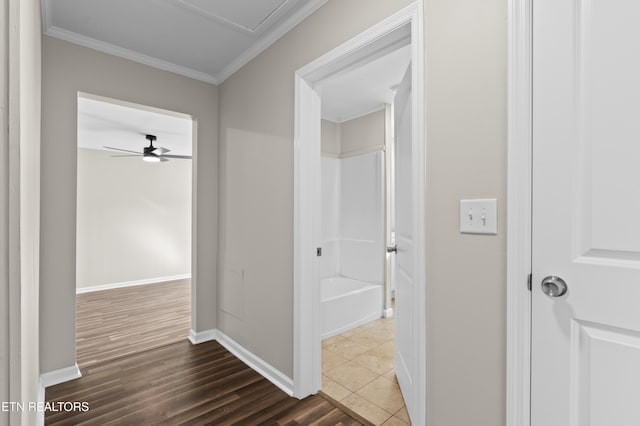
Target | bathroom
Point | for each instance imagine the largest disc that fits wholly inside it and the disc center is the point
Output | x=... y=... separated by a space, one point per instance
x=352 y=265
x=361 y=106
x=356 y=308
x=357 y=186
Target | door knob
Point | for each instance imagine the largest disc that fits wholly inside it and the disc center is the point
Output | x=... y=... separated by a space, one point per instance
x=392 y=249
x=554 y=286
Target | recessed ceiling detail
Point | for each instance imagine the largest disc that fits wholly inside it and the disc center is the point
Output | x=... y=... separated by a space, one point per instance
x=205 y=40
x=237 y=13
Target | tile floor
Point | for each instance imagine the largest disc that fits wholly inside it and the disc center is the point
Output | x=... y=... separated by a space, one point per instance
x=357 y=371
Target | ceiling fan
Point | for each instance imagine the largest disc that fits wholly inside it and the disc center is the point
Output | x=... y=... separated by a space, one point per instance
x=150 y=153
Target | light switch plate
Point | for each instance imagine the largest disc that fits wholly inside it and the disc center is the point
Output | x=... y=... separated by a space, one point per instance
x=479 y=216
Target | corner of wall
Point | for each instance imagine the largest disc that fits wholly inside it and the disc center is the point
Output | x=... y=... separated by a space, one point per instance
x=61 y=375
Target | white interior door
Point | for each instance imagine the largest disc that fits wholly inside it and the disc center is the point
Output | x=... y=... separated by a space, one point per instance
x=404 y=240
x=586 y=213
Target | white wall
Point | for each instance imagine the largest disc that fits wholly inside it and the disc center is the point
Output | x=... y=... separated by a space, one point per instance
x=361 y=215
x=5 y=210
x=353 y=198
x=330 y=138
x=352 y=217
x=133 y=219
x=331 y=217
x=20 y=50
x=330 y=199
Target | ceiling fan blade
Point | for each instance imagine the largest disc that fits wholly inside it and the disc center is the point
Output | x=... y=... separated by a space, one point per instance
x=162 y=159
x=127 y=155
x=120 y=149
x=160 y=150
x=185 y=157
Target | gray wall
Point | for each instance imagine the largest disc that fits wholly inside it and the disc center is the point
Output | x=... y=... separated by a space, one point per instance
x=466 y=84
x=466 y=158
x=133 y=219
x=330 y=138
x=67 y=69
x=362 y=133
x=256 y=135
x=354 y=136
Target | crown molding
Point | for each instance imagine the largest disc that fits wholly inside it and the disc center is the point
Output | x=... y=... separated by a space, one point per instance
x=256 y=48
x=131 y=55
x=49 y=29
x=269 y=38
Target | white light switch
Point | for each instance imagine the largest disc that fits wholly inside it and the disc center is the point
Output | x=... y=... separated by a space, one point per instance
x=479 y=216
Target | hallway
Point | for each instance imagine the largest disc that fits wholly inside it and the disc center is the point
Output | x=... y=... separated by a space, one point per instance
x=184 y=383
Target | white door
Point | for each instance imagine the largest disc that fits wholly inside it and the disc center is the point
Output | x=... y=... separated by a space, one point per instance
x=404 y=236
x=586 y=214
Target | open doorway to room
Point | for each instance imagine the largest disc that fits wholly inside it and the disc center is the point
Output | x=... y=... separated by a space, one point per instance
x=355 y=238
x=133 y=228
x=357 y=284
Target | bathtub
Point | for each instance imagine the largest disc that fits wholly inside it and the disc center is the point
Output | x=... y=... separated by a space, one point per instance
x=347 y=303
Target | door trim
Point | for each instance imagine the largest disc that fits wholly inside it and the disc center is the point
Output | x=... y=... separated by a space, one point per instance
x=519 y=192
x=306 y=294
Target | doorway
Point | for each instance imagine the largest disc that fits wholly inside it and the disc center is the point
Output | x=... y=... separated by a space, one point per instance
x=357 y=339
x=381 y=39
x=133 y=228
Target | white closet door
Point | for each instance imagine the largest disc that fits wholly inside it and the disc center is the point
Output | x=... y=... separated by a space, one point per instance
x=586 y=210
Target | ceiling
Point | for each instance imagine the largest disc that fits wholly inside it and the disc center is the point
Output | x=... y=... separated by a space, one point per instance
x=206 y=40
x=365 y=88
x=104 y=122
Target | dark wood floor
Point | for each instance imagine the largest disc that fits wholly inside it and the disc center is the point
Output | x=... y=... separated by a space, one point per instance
x=185 y=384
x=117 y=322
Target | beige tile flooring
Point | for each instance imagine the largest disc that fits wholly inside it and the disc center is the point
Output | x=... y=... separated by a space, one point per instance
x=357 y=371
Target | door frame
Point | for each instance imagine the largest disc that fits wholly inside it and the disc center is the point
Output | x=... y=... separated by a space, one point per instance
x=306 y=289
x=519 y=194
x=74 y=371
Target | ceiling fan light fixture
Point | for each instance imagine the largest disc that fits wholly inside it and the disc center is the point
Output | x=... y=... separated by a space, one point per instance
x=150 y=154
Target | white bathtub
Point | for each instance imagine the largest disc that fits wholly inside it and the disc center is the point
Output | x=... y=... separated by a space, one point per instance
x=347 y=303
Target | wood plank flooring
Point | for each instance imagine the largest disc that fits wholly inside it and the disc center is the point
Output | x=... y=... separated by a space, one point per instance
x=185 y=384
x=124 y=321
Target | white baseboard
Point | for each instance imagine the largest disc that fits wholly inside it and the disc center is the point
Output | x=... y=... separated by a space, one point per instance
x=371 y=317
x=263 y=368
x=62 y=375
x=196 y=337
x=387 y=313
x=110 y=286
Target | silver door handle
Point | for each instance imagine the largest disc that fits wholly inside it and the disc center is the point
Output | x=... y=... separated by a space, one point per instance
x=392 y=249
x=554 y=286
